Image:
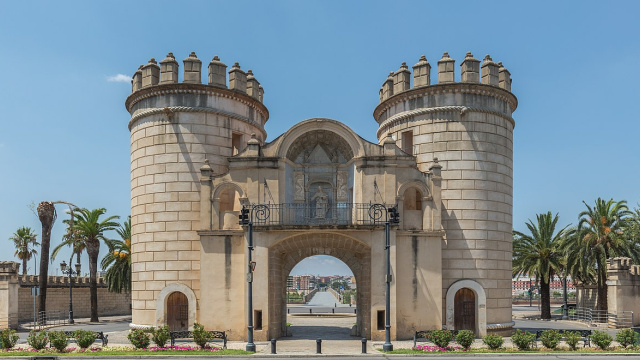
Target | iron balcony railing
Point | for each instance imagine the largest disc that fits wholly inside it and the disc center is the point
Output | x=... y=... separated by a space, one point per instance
x=303 y=214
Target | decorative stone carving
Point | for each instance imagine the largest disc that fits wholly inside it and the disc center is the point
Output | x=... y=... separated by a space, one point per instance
x=342 y=186
x=298 y=186
x=322 y=203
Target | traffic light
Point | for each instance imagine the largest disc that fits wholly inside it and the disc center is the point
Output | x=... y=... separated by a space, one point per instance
x=394 y=215
x=244 y=216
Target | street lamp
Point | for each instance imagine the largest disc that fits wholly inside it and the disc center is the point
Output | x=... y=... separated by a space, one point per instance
x=71 y=273
x=391 y=217
x=261 y=212
x=565 y=305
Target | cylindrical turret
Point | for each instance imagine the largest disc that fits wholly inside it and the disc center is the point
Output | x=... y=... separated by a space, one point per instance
x=468 y=127
x=174 y=128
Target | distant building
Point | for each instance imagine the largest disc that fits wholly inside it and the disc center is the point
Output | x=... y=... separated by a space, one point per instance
x=522 y=284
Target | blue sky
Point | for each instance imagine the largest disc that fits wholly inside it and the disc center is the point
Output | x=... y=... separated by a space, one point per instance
x=64 y=126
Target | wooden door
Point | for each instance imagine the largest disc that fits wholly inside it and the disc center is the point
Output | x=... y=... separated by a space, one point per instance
x=177 y=311
x=465 y=310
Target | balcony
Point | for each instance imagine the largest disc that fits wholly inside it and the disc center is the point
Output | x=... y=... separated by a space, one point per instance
x=323 y=216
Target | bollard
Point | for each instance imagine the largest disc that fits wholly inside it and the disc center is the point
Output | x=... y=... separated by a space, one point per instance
x=319 y=346
x=288 y=311
x=364 y=345
x=309 y=311
x=273 y=346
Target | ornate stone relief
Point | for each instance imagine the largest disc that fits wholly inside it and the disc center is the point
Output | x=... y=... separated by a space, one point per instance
x=298 y=184
x=342 y=186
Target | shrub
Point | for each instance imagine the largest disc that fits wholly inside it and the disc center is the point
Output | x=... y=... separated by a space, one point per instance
x=37 y=339
x=493 y=341
x=550 y=338
x=572 y=338
x=601 y=339
x=440 y=337
x=58 y=340
x=465 y=338
x=139 y=338
x=523 y=339
x=8 y=338
x=84 y=338
x=626 y=337
x=160 y=335
x=200 y=335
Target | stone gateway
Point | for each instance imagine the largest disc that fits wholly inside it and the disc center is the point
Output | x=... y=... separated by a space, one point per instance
x=444 y=158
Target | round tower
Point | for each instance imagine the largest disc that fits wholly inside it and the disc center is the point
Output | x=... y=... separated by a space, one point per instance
x=467 y=127
x=176 y=128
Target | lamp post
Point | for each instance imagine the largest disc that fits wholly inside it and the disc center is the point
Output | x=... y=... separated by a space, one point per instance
x=391 y=217
x=261 y=212
x=565 y=305
x=71 y=273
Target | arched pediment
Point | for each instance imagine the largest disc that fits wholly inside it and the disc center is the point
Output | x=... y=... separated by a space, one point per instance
x=315 y=140
x=319 y=146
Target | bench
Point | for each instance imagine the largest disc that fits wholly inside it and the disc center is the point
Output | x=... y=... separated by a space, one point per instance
x=584 y=336
x=99 y=336
x=186 y=334
x=424 y=335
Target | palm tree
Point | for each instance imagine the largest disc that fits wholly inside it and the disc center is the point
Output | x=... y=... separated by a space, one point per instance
x=539 y=254
x=600 y=236
x=91 y=229
x=118 y=260
x=73 y=239
x=46 y=212
x=24 y=239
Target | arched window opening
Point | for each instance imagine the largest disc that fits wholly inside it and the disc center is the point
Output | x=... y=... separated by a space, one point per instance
x=229 y=209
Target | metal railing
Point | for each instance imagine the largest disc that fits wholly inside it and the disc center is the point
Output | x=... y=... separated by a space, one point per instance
x=621 y=319
x=300 y=214
x=51 y=318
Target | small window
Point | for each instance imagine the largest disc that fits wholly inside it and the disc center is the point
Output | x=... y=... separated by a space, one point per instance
x=407 y=142
x=257 y=321
x=236 y=143
x=380 y=320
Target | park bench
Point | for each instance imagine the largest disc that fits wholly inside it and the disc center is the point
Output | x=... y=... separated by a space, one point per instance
x=424 y=335
x=186 y=334
x=584 y=336
x=99 y=336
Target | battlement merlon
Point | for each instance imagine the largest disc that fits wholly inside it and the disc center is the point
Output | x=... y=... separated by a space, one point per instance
x=484 y=87
x=151 y=75
x=487 y=73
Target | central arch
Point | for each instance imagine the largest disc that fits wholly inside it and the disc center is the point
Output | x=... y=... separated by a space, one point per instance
x=285 y=254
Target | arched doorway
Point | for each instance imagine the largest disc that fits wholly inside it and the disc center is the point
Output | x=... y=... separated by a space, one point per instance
x=465 y=310
x=177 y=311
x=284 y=255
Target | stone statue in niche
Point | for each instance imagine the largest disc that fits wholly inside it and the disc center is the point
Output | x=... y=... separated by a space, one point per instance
x=342 y=186
x=298 y=185
x=322 y=203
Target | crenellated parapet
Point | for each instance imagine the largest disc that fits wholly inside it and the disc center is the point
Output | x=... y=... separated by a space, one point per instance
x=471 y=71
x=623 y=266
x=161 y=81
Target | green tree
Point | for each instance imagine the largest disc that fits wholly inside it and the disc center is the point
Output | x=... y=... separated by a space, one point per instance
x=600 y=235
x=72 y=238
x=539 y=254
x=118 y=261
x=24 y=239
x=91 y=229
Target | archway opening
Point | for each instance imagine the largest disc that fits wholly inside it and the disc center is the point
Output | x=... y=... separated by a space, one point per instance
x=177 y=311
x=321 y=299
x=465 y=310
x=338 y=252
